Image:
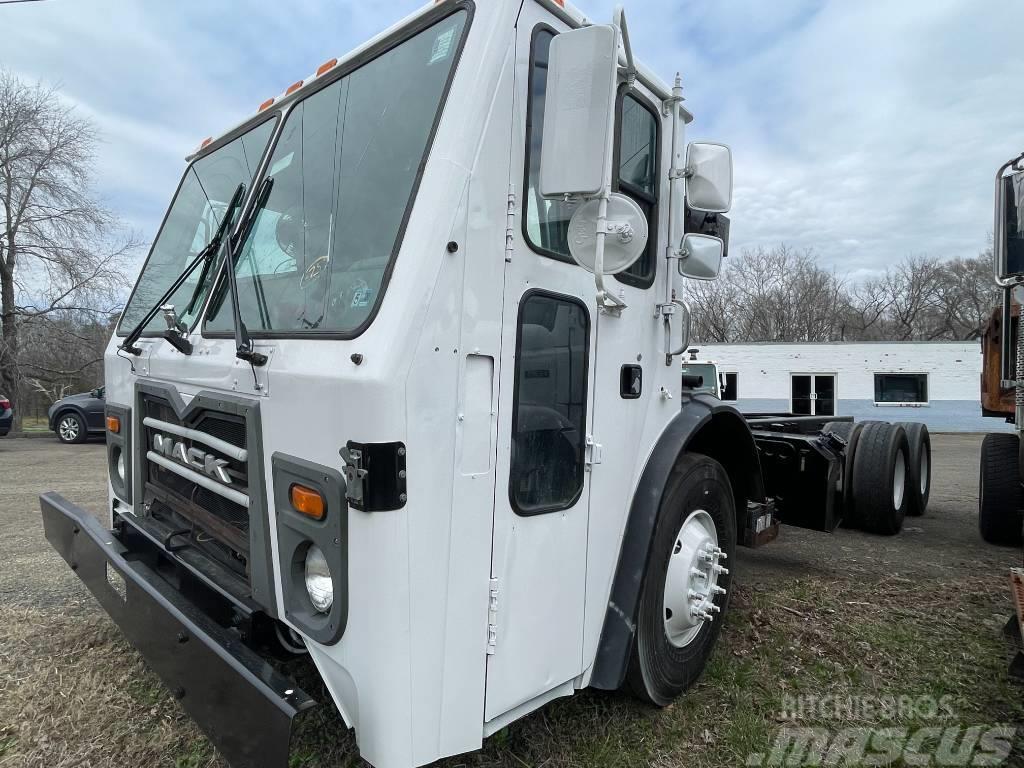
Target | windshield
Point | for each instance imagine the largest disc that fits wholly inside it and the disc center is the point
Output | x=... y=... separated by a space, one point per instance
x=191 y=222
x=345 y=170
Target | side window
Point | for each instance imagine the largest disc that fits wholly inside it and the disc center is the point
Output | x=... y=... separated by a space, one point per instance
x=637 y=176
x=546 y=221
x=549 y=409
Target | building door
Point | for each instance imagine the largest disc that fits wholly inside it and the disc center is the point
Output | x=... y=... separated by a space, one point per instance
x=813 y=394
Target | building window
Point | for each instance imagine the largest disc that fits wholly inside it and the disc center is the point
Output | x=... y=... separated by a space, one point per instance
x=546 y=220
x=901 y=388
x=729 y=390
x=549 y=408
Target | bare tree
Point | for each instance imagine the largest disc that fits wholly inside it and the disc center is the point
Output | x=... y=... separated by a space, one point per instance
x=967 y=295
x=61 y=250
x=769 y=294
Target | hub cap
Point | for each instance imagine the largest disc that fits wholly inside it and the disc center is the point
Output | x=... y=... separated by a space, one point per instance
x=899 y=480
x=68 y=428
x=691 y=581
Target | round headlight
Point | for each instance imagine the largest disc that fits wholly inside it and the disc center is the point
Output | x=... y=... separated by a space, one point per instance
x=318 y=580
x=120 y=466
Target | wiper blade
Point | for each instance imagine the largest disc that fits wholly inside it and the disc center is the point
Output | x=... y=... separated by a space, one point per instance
x=243 y=343
x=206 y=254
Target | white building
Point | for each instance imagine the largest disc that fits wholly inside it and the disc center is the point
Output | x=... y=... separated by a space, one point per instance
x=937 y=383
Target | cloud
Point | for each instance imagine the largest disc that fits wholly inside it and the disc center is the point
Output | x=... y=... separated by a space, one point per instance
x=866 y=131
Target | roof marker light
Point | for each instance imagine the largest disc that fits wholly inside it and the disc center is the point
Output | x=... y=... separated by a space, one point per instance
x=266 y=104
x=294 y=87
x=327 y=66
x=206 y=142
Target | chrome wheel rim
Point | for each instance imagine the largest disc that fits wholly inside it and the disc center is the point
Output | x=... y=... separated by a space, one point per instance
x=691 y=579
x=924 y=471
x=899 y=480
x=68 y=428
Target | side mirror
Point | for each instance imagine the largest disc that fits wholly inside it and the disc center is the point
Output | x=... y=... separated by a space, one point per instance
x=708 y=177
x=1008 y=243
x=700 y=257
x=625 y=235
x=579 y=112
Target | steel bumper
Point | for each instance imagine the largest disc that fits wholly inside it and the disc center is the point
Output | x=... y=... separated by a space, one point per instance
x=244 y=705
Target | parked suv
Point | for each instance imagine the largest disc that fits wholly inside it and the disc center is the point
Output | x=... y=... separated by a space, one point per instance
x=77 y=416
x=6 y=416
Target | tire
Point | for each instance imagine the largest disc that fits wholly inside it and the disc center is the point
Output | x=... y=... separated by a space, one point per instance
x=1001 y=499
x=71 y=428
x=919 y=467
x=697 y=498
x=880 y=478
x=850 y=432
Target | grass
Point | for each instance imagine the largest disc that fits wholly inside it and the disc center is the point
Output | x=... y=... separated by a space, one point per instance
x=35 y=424
x=73 y=693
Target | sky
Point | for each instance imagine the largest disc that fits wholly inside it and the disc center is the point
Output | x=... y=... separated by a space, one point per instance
x=866 y=130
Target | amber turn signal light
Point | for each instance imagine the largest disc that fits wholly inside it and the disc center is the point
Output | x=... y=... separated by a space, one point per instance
x=307 y=502
x=113 y=424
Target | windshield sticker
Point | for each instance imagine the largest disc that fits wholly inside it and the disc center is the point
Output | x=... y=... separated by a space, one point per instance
x=442 y=46
x=281 y=164
x=361 y=295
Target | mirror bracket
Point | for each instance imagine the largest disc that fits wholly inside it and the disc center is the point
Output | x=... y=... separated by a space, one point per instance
x=619 y=20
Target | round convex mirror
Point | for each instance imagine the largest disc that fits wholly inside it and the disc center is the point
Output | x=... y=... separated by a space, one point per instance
x=622 y=247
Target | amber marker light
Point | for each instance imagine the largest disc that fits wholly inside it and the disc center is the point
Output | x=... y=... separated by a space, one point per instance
x=307 y=502
x=113 y=424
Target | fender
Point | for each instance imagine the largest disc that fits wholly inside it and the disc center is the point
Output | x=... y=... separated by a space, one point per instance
x=705 y=425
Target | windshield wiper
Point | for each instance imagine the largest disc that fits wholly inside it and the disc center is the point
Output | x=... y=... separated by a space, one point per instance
x=243 y=344
x=173 y=335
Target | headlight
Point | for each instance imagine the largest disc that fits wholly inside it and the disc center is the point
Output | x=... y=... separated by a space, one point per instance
x=318 y=580
x=120 y=466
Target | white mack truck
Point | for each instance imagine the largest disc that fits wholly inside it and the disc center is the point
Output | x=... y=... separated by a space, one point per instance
x=398 y=388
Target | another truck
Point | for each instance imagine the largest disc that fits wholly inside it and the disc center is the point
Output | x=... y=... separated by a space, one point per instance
x=397 y=389
x=1001 y=495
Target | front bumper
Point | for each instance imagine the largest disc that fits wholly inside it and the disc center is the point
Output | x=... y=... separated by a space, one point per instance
x=243 y=704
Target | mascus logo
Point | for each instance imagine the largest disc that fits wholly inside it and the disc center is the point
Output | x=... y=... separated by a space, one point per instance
x=194 y=458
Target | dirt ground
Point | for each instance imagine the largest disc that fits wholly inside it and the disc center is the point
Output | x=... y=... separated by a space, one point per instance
x=865 y=619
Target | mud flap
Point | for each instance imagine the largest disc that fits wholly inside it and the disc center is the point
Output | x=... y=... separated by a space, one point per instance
x=243 y=705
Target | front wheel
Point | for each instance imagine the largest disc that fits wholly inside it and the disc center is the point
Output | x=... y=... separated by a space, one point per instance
x=686 y=587
x=70 y=428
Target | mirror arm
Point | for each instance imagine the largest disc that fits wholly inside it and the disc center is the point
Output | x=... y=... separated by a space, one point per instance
x=619 y=20
x=605 y=301
x=672 y=253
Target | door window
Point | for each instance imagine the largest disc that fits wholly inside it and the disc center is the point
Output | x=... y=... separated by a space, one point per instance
x=549 y=409
x=637 y=176
x=546 y=220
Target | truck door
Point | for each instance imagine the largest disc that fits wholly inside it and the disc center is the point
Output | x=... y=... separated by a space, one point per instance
x=541 y=506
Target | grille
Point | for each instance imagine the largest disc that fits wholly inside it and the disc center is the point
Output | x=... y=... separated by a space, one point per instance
x=221 y=518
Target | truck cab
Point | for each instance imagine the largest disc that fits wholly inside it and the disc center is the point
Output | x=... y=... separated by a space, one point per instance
x=397 y=389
